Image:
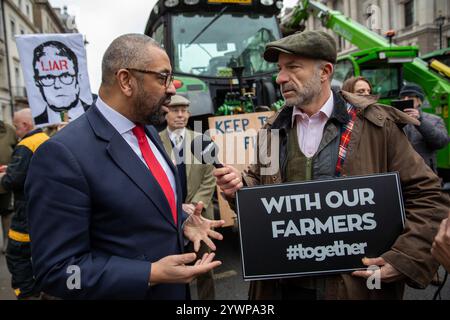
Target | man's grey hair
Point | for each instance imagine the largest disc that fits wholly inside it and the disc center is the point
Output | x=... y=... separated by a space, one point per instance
x=126 y=51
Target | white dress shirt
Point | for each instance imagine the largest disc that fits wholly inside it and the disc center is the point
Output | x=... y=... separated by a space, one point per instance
x=177 y=136
x=124 y=127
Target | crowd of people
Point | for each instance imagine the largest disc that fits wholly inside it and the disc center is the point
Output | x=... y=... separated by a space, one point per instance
x=128 y=213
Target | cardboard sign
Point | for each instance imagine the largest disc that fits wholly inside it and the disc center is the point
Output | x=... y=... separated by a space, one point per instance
x=236 y=138
x=318 y=227
x=56 y=77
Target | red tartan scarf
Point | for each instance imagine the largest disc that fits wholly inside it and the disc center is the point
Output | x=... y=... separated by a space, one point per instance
x=346 y=135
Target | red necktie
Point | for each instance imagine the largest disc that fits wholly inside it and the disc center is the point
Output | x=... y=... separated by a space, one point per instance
x=156 y=168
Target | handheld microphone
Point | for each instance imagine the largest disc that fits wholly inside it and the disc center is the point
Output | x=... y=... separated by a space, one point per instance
x=205 y=151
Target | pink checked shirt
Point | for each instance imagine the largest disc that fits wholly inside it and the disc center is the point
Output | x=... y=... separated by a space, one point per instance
x=310 y=130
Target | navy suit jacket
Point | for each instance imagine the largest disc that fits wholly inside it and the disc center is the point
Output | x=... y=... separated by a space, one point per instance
x=93 y=204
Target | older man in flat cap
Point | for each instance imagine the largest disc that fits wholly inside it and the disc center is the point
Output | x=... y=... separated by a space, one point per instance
x=324 y=135
x=197 y=181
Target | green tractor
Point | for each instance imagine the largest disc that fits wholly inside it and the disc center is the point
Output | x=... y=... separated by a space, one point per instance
x=387 y=66
x=216 y=50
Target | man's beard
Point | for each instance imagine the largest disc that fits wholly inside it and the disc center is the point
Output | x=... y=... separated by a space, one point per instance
x=307 y=93
x=144 y=105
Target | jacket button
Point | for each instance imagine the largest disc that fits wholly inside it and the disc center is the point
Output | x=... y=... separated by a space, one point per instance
x=380 y=117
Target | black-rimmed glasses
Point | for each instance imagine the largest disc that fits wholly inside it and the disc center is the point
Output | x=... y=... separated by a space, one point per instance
x=165 y=76
x=49 y=80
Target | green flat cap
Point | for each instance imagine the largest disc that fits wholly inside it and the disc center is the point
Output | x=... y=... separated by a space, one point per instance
x=310 y=44
x=178 y=100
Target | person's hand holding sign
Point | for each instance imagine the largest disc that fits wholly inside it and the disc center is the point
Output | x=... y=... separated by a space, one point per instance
x=441 y=245
x=386 y=272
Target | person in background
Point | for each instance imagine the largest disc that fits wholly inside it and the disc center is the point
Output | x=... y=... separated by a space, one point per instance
x=430 y=134
x=18 y=253
x=8 y=141
x=358 y=85
x=427 y=137
x=197 y=181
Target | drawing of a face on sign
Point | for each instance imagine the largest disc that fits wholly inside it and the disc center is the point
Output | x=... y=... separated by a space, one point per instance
x=56 y=75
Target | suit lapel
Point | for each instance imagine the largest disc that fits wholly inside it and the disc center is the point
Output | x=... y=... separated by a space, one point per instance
x=167 y=144
x=188 y=154
x=129 y=162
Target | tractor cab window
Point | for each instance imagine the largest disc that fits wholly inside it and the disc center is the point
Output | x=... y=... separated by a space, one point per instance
x=205 y=45
x=158 y=34
x=343 y=70
x=385 y=80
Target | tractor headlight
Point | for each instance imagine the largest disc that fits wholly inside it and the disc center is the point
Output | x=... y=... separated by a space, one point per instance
x=266 y=2
x=171 y=3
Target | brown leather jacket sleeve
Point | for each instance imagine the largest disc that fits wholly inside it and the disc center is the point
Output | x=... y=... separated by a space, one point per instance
x=426 y=206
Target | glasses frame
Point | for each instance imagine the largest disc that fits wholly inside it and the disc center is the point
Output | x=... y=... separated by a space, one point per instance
x=41 y=83
x=168 y=77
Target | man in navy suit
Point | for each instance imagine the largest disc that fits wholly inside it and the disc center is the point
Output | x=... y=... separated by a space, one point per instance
x=104 y=198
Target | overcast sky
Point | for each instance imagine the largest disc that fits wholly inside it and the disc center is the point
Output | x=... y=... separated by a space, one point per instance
x=101 y=21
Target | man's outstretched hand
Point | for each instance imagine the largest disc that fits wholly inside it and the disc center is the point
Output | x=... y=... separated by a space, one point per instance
x=198 y=228
x=175 y=269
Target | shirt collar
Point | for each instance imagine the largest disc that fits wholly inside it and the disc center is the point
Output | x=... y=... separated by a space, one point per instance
x=118 y=121
x=178 y=132
x=326 y=110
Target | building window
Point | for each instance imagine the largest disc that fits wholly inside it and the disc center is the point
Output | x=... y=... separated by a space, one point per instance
x=409 y=13
x=28 y=10
x=13 y=29
x=17 y=75
x=20 y=4
x=2 y=71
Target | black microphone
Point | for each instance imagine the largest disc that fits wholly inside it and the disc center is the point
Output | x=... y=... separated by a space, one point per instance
x=205 y=151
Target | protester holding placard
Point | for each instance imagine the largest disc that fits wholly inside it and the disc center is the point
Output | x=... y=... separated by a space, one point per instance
x=324 y=134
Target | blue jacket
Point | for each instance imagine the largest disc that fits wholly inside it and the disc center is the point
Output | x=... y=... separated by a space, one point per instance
x=93 y=204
